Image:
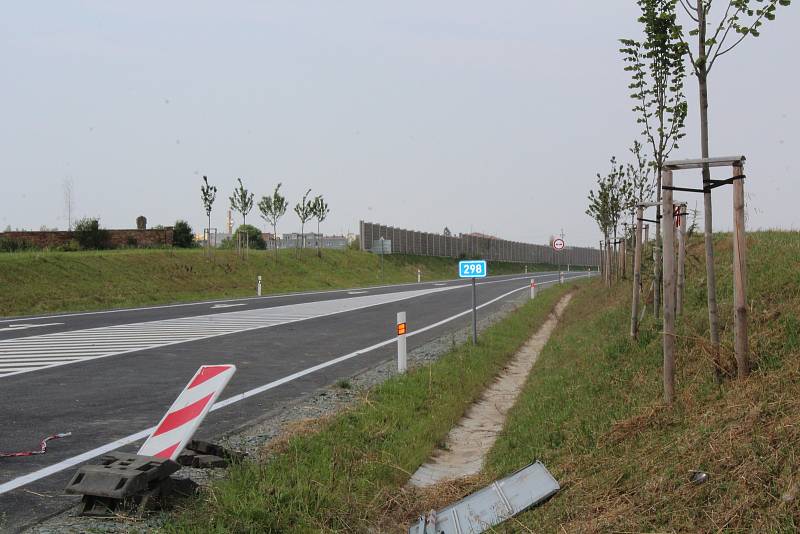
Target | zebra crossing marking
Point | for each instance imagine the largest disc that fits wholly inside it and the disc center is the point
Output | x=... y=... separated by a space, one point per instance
x=33 y=353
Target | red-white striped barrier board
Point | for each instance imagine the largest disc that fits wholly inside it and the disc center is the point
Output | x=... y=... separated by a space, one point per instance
x=187 y=412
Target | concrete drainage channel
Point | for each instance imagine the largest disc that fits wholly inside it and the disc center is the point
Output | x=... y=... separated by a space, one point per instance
x=252 y=438
x=471 y=439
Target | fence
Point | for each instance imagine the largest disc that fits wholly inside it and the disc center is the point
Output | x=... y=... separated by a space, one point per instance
x=471 y=246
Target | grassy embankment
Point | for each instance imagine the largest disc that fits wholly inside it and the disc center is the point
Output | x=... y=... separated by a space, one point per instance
x=346 y=475
x=592 y=410
x=40 y=282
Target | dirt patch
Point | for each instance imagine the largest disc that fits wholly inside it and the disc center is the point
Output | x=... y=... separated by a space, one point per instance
x=469 y=441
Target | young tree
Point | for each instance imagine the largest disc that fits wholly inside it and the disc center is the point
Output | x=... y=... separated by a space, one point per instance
x=209 y=194
x=739 y=19
x=320 y=211
x=639 y=176
x=303 y=209
x=607 y=205
x=657 y=69
x=272 y=209
x=242 y=201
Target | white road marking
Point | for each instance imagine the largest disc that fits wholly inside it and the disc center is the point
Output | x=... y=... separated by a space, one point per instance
x=127 y=440
x=63 y=348
x=34 y=353
x=16 y=327
x=355 y=292
x=217 y=306
x=185 y=304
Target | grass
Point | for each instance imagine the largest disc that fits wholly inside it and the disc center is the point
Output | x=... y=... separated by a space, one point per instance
x=592 y=411
x=42 y=282
x=346 y=474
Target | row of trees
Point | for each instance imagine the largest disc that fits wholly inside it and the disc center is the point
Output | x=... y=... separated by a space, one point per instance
x=272 y=209
x=657 y=63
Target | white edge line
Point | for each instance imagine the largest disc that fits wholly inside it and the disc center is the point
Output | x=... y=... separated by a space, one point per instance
x=127 y=440
x=181 y=341
x=243 y=299
x=212 y=335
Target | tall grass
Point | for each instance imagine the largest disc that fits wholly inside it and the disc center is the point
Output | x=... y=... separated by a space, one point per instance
x=592 y=411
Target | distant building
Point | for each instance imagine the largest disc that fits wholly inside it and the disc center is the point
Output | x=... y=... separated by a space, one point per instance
x=478 y=234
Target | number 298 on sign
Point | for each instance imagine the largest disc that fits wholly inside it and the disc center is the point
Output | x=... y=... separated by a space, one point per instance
x=472 y=269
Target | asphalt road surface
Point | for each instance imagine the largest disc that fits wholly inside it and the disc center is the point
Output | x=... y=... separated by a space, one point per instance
x=108 y=377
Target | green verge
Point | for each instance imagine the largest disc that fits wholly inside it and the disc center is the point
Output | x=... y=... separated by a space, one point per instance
x=42 y=282
x=592 y=410
x=345 y=476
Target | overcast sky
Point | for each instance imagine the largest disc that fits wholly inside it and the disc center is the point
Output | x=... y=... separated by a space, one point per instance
x=484 y=116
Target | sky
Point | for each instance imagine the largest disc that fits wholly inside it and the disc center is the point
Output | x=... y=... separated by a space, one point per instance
x=491 y=117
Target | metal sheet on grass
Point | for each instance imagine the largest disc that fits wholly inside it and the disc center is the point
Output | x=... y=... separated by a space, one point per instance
x=493 y=504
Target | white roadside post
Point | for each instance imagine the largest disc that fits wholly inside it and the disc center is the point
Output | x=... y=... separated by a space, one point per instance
x=533 y=288
x=561 y=277
x=419 y=276
x=258 y=286
x=402 y=355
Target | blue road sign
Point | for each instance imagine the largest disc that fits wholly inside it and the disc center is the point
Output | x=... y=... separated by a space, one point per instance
x=472 y=269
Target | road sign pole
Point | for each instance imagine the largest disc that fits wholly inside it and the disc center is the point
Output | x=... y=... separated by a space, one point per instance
x=473 y=269
x=402 y=355
x=474 y=315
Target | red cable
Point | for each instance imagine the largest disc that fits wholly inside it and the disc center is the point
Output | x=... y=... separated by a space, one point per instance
x=42 y=447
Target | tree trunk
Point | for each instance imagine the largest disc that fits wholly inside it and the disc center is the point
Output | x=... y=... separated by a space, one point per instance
x=657 y=275
x=711 y=278
x=275 y=240
x=319 y=242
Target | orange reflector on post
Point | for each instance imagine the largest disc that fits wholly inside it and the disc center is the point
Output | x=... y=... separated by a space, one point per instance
x=401 y=329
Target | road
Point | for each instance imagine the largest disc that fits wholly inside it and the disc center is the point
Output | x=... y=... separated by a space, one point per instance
x=108 y=377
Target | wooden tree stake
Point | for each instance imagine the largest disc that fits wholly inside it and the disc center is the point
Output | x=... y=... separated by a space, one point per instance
x=637 y=273
x=740 y=275
x=668 y=272
x=681 y=261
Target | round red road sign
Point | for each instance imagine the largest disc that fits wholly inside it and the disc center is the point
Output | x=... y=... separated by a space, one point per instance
x=558 y=244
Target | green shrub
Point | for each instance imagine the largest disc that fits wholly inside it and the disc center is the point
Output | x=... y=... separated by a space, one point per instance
x=14 y=245
x=182 y=234
x=89 y=234
x=252 y=233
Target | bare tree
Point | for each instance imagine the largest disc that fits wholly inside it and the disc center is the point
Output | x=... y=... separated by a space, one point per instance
x=69 y=201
